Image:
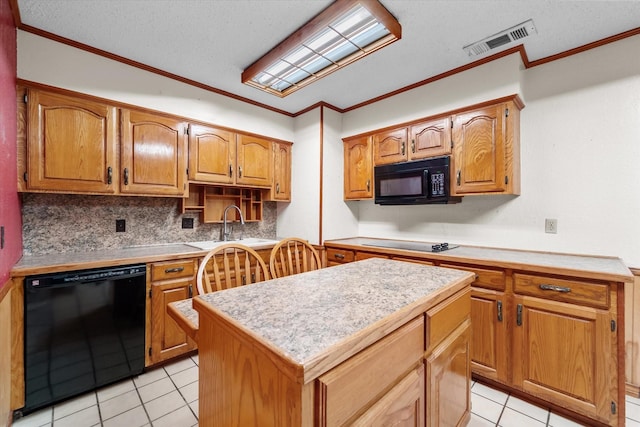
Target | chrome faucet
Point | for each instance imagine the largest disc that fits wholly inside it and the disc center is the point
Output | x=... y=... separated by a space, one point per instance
x=226 y=232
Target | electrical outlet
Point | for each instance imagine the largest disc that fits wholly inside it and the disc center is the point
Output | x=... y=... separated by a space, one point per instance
x=551 y=225
x=187 y=222
x=120 y=225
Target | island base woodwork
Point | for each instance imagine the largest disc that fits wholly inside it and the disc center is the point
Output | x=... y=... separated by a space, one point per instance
x=415 y=375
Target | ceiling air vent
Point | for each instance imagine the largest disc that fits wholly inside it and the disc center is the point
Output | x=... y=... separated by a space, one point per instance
x=502 y=38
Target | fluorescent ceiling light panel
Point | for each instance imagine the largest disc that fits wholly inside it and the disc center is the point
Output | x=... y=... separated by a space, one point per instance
x=343 y=33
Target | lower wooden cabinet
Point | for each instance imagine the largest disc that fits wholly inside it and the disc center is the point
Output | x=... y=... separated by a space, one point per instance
x=167 y=282
x=554 y=337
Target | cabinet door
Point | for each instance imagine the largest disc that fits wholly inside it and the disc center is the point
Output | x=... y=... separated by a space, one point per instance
x=282 y=172
x=167 y=338
x=153 y=154
x=255 y=161
x=430 y=138
x=566 y=354
x=390 y=147
x=212 y=154
x=402 y=406
x=358 y=169
x=71 y=145
x=448 y=380
x=489 y=351
x=478 y=163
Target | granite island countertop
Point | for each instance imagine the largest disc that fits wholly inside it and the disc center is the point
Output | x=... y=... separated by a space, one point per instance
x=587 y=266
x=303 y=316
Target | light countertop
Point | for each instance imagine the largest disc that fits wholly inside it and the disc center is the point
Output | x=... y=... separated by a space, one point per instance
x=594 y=267
x=304 y=315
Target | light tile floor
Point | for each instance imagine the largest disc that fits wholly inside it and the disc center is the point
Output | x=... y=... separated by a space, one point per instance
x=168 y=397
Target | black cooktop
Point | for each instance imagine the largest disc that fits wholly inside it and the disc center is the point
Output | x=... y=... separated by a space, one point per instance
x=413 y=246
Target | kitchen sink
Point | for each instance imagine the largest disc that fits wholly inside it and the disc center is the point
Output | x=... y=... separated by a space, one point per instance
x=207 y=245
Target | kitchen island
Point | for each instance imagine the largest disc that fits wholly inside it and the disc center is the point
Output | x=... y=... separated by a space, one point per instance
x=353 y=344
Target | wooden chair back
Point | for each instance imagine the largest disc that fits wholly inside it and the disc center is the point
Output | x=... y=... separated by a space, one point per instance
x=293 y=256
x=228 y=266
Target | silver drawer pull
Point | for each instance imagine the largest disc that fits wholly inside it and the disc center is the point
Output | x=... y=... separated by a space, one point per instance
x=339 y=256
x=545 y=287
x=174 y=270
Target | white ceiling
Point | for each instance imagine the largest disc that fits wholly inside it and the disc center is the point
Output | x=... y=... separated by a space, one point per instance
x=213 y=41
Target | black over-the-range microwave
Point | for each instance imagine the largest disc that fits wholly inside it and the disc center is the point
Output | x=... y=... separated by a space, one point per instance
x=414 y=183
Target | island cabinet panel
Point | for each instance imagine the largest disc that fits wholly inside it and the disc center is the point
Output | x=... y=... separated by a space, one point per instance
x=71 y=145
x=358 y=169
x=403 y=405
x=448 y=376
x=153 y=150
x=349 y=388
x=169 y=281
x=564 y=353
x=212 y=154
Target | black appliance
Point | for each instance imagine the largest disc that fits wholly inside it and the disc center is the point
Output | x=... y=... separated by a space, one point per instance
x=414 y=183
x=82 y=330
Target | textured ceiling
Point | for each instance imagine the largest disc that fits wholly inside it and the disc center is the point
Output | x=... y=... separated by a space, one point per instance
x=213 y=41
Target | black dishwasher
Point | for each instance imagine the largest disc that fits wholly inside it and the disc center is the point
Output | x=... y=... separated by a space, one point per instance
x=82 y=330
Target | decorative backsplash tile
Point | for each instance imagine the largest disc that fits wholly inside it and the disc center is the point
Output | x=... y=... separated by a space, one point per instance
x=54 y=223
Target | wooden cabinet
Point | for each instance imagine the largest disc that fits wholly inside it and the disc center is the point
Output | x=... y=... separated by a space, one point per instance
x=565 y=350
x=281 y=190
x=486 y=157
x=390 y=146
x=153 y=150
x=552 y=336
x=71 y=145
x=254 y=161
x=489 y=342
x=358 y=169
x=427 y=138
x=168 y=281
x=212 y=154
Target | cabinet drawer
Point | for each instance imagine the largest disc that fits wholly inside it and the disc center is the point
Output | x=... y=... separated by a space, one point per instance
x=339 y=255
x=172 y=269
x=594 y=294
x=355 y=384
x=444 y=318
x=485 y=278
x=367 y=255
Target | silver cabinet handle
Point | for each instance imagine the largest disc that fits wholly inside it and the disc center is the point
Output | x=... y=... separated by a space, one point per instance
x=230 y=170
x=277 y=188
x=403 y=148
x=126 y=176
x=109 y=175
x=562 y=289
x=190 y=290
x=239 y=171
x=174 y=270
x=413 y=145
x=339 y=256
x=499 y=306
x=519 y=315
x=368 y=185
x=458 y=177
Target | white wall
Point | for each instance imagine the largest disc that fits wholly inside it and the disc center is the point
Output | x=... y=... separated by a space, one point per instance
x=301 y=217
x=339 y=219
x=580 y=146
x=45 y=61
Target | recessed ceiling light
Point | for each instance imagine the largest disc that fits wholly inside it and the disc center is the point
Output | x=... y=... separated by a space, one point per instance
x=341 y=34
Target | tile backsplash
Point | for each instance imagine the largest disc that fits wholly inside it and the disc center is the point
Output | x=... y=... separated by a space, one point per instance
x=54 y=223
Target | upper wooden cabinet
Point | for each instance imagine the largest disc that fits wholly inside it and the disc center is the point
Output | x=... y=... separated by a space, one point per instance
x=254 y=161
x=226 y=157
x=153 y=158
x=281 y=190
x=390 y=146
x=212 y=154
x=428 y=138
x=358 y=169
x=71 y=144
x=486 y=153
